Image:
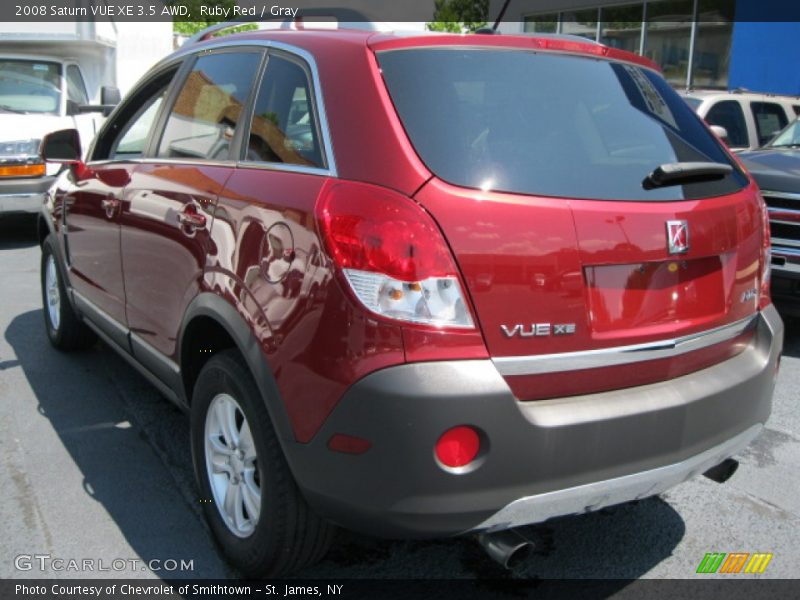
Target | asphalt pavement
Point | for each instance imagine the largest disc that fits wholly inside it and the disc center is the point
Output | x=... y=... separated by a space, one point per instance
x=95 y=464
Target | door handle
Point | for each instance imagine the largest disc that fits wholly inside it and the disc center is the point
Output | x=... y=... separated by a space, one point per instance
x=191 y=219
x=110 y=206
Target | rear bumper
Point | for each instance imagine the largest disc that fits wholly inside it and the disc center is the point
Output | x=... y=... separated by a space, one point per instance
x=23 y=195
x=539 y=459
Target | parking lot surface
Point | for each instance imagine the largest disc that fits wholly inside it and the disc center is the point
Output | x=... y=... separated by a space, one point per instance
x=95 y=464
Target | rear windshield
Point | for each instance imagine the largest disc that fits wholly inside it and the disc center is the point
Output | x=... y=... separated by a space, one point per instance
x=547 y=124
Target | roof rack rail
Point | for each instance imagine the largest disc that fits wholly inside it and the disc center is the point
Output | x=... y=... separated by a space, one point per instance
x=345 y=17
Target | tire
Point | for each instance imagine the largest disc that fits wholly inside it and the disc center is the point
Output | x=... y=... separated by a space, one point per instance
x=283 y=534
x=64 y=327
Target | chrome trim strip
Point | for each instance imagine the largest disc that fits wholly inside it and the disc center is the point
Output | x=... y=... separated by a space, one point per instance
x=777 y=209
x=620 y=355
x=778 y=251
x=597 y=495
x=788 y=195
x=283 y=167
x=166 y=161
x=776 y=241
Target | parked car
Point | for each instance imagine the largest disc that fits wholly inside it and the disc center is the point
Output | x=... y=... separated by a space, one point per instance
x=306 y=300
x=776 y=169
x=54 y=76
x=749 y=119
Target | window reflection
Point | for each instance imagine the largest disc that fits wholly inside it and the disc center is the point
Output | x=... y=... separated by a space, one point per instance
x=541 y=23
x=581 y=22
x=622 y=27
x=667 y=37
x=712 y=48
x=669 y=27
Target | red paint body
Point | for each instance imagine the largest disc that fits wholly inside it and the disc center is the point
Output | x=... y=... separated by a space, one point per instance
x=601 y=265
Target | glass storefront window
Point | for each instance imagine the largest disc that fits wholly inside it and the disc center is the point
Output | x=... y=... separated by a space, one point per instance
x=712 y=47
x=669 y=30
x=581 y=22
x=622 y=27
x=667 y=37
x=541 y=23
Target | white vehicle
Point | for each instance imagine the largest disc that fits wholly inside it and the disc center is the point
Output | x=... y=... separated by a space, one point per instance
x=62 y=76
x=750 y=120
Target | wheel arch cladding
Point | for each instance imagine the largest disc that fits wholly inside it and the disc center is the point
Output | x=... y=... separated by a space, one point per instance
x=212 y=324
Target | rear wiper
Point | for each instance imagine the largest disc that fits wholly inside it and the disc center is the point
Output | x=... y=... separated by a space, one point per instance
x=685 y=172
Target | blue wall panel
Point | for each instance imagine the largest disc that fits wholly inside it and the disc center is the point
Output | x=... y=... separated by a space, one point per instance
x=765 y=57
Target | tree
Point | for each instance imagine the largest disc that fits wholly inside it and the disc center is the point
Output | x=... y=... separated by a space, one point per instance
x=187 y=27
x=458 y=16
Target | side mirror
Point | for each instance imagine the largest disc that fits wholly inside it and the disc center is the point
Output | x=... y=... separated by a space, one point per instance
x=109 y=95
x=720 y=132
x=62 y=147
x=109 y=98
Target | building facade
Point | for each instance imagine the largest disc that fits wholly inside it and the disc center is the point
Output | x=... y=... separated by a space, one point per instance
x=718 y=44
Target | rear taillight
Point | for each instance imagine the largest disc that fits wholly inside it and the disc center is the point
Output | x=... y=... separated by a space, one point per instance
x=392 y=255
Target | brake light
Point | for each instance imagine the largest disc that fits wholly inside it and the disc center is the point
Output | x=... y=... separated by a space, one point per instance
x=392 y=255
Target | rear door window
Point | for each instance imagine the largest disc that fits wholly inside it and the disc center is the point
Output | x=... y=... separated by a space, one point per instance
x=548 y=124
x=770 y=119
x=729 y=114
x=284 y=125
x=203 y=120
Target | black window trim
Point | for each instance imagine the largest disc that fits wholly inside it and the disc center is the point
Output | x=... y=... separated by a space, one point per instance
x=325 y=169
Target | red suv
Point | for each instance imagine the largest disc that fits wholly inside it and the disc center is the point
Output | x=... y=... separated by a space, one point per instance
x=418 y=286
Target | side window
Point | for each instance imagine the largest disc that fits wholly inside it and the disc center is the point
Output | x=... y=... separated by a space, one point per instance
x=203 y=120
x=132 y=142
x=729 y=114
x=76 y=89
x=796 y=108
x=126 y=135
x=770 y=119
x=284 y=125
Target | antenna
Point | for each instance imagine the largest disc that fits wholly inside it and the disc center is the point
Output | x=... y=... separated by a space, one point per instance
x=501 y=15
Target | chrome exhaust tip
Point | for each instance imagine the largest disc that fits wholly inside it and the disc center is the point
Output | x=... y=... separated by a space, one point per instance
x=508 y=547
x=723 y=471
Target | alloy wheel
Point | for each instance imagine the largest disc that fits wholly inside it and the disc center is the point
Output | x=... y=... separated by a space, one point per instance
x=232 y=465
